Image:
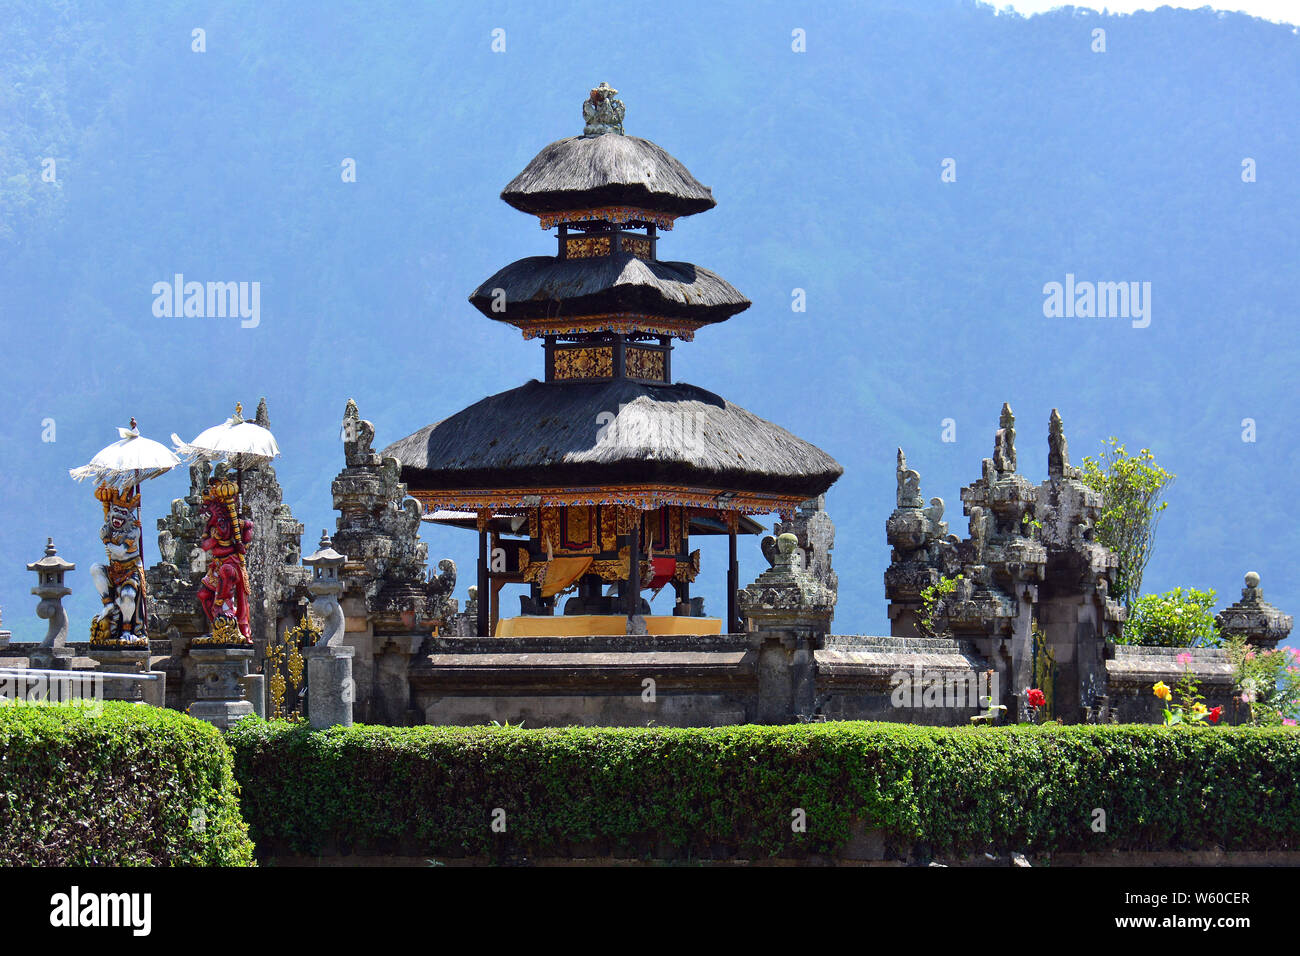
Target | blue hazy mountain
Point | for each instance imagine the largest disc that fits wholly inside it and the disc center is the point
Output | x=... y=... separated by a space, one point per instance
x=924 y=297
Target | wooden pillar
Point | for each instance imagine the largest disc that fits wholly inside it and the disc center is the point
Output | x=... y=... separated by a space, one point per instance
x=733 y=582
x=620 y=355
x=496 y=587
x=483 y=597
x=634 y=569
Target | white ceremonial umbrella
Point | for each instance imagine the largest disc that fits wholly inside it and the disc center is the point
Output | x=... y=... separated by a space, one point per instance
x=128 y=461
x=236 y=441
x=242 y=444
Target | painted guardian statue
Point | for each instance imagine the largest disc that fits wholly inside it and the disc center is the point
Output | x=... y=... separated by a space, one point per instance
x=224 y=591
x=120 y=581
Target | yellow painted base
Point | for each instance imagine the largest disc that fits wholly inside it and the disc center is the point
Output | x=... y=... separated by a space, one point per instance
x=576 y=625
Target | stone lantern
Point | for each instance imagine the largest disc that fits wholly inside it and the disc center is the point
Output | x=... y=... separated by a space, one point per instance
x=1253 y=618
x=330 y=689
x=53 y=653
x=326 y=586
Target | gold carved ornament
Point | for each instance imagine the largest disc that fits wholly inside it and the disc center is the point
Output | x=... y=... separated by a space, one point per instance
x=584 y=363
x=645 y=363
x=285 y=664
x=639 y=246
x=586 y=247
x=687 y=571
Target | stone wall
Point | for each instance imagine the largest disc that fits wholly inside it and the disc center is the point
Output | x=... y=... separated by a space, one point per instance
x=1133 y=671
x=637 y=681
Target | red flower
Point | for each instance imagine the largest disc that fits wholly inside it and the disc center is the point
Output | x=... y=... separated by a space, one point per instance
x=1036 y=698
x=1215 y=714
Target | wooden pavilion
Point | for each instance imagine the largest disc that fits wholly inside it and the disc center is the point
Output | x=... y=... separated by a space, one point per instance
x=595 y=479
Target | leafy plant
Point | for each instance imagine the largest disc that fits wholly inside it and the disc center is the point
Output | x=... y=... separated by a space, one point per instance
x=930 y=626
x=1268 y=681
x=1131 y=487
x=1177 y=618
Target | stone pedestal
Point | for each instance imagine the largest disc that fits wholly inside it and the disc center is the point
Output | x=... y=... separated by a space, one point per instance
x=218 y=675
x=51 y=658
x=788 y=614
x=330 y=690
x=254 y=686
x=129 y=660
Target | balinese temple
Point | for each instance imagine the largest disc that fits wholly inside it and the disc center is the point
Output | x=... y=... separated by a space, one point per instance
x=589 y=484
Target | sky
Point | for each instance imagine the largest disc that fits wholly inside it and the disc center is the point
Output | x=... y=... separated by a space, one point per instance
x=1170 y=157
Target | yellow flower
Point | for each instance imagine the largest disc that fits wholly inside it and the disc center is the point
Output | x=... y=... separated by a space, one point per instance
x=1162 y=691
x=1199 y=708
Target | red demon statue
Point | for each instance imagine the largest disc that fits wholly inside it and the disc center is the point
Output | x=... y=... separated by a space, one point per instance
x=224 y=591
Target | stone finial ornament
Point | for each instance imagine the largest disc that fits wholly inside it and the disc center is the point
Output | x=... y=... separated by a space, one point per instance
x=603 y=113
x=1058 y=450
x=934 y=515
x=1253 y=618
x=815 y=532
x=1004 y=441
x=909 y=484
x=358 y=436
x=785 y=594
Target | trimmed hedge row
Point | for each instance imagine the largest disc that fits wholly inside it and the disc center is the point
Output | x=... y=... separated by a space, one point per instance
x=735 y=791
x=132 y=786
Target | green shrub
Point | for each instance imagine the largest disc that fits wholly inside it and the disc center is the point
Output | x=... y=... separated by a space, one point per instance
x=132 y=786
x=731 y=791
x=1177 y=618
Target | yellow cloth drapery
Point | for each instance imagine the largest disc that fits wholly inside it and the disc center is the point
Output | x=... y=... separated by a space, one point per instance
x=573 y=625
x=562 y=572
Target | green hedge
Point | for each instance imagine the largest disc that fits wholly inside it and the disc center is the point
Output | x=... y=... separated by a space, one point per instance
x=132 y=786
x=717 y=792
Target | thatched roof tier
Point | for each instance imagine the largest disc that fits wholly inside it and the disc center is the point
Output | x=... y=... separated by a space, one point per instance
x=545 y=287
x=617 y=441
x=609 y=170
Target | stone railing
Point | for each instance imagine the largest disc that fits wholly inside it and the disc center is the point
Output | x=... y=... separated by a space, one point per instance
x=34 y=683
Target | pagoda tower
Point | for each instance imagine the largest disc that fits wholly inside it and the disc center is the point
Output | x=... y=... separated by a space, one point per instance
x=592 y=480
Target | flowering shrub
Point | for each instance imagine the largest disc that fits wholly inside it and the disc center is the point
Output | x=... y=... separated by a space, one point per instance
x=1177 y=618
x=1036 y=700
x=1189 y=708
x=1268 y=681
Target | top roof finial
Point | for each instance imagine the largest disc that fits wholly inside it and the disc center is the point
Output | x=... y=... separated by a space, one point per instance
x=603 y=113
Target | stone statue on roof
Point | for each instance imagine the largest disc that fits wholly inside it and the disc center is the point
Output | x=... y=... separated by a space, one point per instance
x=603 y=113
